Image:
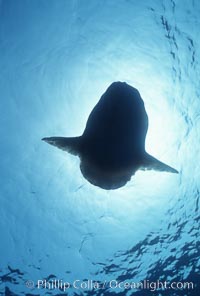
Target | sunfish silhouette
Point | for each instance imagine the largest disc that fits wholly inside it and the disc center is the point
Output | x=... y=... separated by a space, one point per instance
x=112 y=146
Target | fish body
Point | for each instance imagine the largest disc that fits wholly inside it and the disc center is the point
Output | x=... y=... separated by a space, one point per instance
x=112 y=146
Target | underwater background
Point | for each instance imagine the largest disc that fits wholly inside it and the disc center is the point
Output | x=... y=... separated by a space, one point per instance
x=57 y=58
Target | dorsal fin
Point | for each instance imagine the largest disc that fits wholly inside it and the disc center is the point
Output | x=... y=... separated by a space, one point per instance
x=71 y=145
x=151 y=163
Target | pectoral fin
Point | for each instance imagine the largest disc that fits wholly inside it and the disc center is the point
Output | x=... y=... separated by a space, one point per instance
x=71 y=145
x=151 y=163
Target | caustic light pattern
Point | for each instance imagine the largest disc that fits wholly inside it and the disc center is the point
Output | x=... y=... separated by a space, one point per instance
x=57 y=229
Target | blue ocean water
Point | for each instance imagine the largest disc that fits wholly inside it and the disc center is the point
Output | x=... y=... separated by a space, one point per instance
x=57 y=57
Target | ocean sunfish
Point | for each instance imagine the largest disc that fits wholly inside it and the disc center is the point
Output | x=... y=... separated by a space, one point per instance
x=112 y=146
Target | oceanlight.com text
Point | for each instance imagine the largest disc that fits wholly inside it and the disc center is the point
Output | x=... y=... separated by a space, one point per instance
x=56 y=284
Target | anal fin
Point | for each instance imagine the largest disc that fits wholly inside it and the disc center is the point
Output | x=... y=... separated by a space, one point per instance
x=71 y=145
